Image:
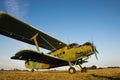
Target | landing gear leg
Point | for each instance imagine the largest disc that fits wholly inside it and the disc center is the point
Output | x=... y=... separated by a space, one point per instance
x=32 y=70
x=71 y=69
x=82 y=69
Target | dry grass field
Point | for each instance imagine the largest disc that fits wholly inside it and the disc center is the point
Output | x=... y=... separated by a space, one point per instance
x=98 y=74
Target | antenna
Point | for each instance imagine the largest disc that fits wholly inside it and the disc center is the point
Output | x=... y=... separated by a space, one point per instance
x=68 y=41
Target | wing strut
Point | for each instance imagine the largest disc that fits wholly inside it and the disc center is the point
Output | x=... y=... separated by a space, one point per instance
x=47 y=42
x=35 y=41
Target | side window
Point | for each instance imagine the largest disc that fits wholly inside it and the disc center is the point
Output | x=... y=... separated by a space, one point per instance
x=63 y=52
x=57 y=55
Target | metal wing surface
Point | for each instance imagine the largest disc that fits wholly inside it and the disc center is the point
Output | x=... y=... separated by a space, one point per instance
x=39 y=57
x=14 y=28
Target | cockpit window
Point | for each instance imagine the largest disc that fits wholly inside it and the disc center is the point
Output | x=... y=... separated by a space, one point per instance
x=73 y=45
x=87 y=43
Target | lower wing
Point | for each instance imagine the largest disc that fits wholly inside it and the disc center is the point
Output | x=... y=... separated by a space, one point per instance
x=29 y=55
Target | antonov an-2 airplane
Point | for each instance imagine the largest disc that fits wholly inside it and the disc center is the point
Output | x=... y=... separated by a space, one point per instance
x=60 y=54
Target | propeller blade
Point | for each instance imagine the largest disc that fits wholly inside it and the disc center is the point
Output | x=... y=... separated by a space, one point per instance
x=92 y=43
x=96 y=50
x=96 y=55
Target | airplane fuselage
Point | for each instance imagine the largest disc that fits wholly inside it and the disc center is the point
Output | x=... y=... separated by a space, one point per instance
x=73 y=52
x=68 y=53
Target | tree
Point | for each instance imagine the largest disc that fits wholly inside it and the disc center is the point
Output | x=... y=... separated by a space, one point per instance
x=2 y=69
x=93 y=67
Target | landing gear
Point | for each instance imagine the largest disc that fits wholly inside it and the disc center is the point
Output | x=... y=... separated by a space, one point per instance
x=32 y=70
x=84 y=69
x=72 y=70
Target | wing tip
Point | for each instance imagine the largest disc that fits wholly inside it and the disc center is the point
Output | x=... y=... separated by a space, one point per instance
x=14 y=57
x=3 y=13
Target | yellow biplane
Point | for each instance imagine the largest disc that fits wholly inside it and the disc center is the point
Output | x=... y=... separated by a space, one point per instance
x=60 y=54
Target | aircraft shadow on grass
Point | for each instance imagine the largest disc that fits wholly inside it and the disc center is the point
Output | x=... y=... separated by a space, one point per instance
x=107 y=77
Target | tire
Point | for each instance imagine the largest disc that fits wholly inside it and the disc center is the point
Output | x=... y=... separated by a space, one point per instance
x=72 y=70
x=32 y=70
x=84 y=69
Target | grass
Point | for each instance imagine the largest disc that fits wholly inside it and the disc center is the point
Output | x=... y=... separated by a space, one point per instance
x=98 y=74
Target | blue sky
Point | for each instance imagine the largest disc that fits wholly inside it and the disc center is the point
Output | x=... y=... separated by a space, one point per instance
x=70 y=21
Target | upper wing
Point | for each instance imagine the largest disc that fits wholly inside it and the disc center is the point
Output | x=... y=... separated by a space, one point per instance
x=14 y=28
x=39 y=57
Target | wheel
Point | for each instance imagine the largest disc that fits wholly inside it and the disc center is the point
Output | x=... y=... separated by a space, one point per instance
x=72 y=70
x=32 y=70
x=84 y=69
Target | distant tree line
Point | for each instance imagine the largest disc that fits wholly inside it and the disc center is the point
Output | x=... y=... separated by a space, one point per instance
x=95 y=67
x=92 y=67
x=114 y=67
x=15 y=69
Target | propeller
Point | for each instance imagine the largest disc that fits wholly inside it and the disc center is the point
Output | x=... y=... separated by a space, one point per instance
x=95 y=50
x=96 y=55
